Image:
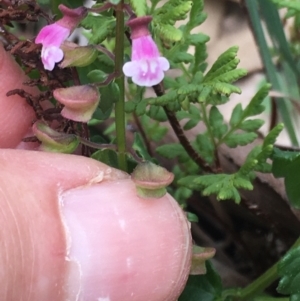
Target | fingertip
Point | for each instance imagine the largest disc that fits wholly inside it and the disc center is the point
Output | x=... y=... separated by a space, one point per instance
x=16 y=116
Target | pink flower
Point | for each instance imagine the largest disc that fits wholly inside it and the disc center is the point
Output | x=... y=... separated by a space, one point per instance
x=147 y=66
x=53 y=35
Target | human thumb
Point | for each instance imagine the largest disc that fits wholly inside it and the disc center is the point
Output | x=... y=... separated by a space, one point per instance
x=74 y=229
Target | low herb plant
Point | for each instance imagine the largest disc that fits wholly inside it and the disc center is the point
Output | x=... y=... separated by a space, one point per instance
x=144 y=68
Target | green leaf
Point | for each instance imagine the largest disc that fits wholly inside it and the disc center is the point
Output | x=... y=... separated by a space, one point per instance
x=109 y=96
x=139 y=7
x=106 y=156
x=236 y=139
x=140 y=148
x=206 y=287
x=251 y=125
x=289 y=270
x=205 y=147
x=197 y=16
x=255 y=106
x=169 y=97
x=190 y=124
x=237 y=115
x=182 y=57
x=170 y=151
x=222 y=185
x=157 y=113
x=287 y=165
x=101 y=26
x=199 y=38
x=224 y=88
x=222 y=60
x=141 y=107
x=97 y=76
x=187 y=89
x=167 y=32
x=215 y=120
x=273 y=134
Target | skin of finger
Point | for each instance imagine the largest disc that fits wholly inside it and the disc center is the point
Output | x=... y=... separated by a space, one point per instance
x=16 y=116
x=32 y=238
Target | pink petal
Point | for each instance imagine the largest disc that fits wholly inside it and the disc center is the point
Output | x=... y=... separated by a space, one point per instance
x=144 y=48
x=52 y=35
x=50 y=56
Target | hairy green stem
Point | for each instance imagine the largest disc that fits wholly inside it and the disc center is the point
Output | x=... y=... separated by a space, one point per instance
x=261 y=283
x=120 y=105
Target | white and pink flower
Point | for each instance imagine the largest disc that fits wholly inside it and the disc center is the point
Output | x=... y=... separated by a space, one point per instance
x=53 y=35
x=147 y=66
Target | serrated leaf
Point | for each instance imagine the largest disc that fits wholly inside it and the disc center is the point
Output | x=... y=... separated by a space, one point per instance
x=223 y=59
x=273 y=134
x=182 y=57
x=231 y=76
x=173 y=11
x=289 y=270
x=205 y=147
x=251 y=125
x=215 y=120
x=229 y=193
x=217 y=99
x=236 y=115
x=204 y=94
x=224 y=88
x=197 y=16
x=198 y=38
x=139 y=7
x=236 y=139
x=157 y=113
x=242 y=182
x=255 y=106
x=141 y=107
x=229 y=66
x=170 y=151
x=187 y=89
x=167 y=98
x=101 y=27
x=168 y=32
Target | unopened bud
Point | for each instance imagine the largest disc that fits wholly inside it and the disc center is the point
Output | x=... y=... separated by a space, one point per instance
x=53 y=141
x=151 y=180
x=77 y=56
x=80 y=102
x=200 y=255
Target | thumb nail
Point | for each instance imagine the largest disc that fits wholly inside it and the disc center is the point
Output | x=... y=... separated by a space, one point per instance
x=124 y=247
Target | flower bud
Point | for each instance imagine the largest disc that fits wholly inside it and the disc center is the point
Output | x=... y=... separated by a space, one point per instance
x=53 y=141
x=80 y=102
x=77 y=56
x=151 y=180
x=200 y=255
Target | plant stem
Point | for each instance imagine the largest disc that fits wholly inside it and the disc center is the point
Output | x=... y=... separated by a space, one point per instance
x=262 y=282
x=120 y=105
x=159 y=91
